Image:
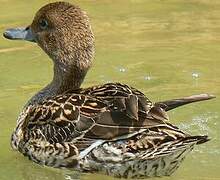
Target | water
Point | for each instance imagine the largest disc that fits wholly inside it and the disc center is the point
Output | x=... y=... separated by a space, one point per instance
x=166 y=49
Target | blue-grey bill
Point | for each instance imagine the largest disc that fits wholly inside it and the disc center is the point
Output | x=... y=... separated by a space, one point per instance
x=19 y=34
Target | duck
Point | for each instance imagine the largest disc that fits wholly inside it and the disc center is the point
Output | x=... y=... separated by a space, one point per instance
x=113 y=128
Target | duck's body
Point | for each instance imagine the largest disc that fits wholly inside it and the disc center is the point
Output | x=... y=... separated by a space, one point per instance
x=112 y=128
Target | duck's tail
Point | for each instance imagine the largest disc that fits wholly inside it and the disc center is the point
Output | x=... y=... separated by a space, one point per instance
x=201 y=139
x=174 y=103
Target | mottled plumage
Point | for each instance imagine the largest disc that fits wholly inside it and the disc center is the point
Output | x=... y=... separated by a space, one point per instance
x=112 y=128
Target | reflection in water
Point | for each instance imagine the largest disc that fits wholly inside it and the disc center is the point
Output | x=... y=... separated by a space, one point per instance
x=28 y=170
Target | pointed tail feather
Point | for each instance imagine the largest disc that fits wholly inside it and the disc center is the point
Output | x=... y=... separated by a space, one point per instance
x=198 y=139
x=174 y=103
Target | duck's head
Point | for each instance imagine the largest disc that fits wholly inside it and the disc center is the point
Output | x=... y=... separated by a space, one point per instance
x=63 y=31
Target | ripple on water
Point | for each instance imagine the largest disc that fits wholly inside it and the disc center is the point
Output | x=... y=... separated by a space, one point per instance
x=200 y=123
x=205 y=125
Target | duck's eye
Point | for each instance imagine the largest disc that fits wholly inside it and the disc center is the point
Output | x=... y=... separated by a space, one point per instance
x=43 y=24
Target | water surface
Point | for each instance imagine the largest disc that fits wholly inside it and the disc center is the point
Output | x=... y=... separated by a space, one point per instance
x=166 y=48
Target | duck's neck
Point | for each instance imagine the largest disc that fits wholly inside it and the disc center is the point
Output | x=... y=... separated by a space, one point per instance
x=65 y=78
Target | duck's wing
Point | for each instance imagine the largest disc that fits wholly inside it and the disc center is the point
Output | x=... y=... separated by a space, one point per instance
x=62 y=118
x=128 y=100
x=85 y=115
x=136 y=104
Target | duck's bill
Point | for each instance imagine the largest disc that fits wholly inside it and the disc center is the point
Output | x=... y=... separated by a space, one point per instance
x=19 y=34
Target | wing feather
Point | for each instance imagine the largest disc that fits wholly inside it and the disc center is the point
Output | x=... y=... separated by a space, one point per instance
x=99 y=112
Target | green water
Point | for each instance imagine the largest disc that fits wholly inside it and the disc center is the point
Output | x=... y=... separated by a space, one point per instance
x=166 y=48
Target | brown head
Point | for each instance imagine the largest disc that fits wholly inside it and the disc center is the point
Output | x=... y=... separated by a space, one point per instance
x=63 y=31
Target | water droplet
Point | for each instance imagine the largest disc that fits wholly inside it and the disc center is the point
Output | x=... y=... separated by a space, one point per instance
x=147 y=78
x=122 y=69
x=195 y=75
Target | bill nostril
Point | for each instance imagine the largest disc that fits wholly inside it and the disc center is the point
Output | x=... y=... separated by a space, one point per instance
x=7 y=35
x=27 y=28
